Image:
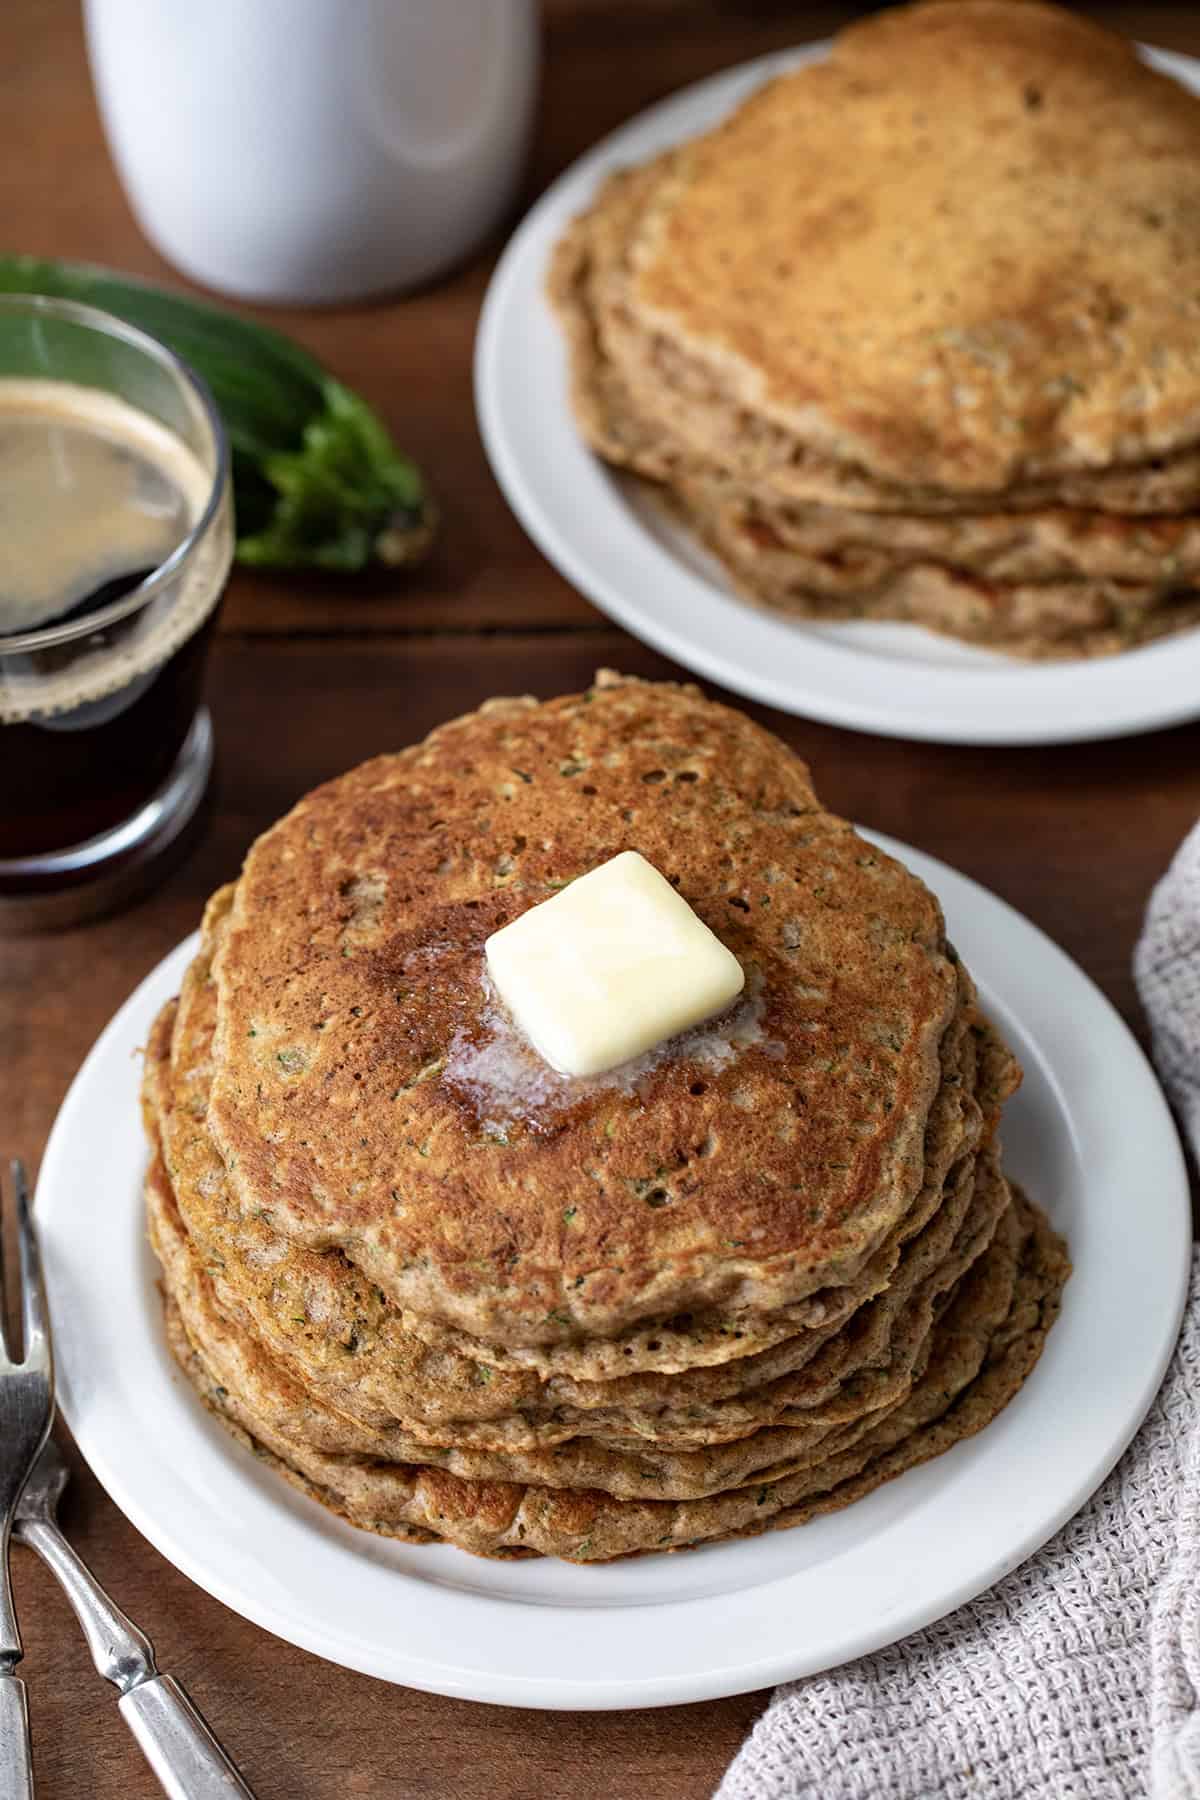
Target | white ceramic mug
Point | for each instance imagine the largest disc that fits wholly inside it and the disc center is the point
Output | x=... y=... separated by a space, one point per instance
x=315 y=150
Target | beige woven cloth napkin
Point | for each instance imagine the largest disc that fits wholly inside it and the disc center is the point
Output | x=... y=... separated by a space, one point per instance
x=1077 y=1678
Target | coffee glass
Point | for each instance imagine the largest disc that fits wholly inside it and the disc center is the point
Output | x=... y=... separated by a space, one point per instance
x=105 y=746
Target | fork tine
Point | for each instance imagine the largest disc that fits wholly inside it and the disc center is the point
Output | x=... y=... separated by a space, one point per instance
x=35 y=1320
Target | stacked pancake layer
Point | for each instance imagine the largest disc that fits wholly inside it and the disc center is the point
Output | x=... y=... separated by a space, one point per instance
x=729 y=1288
x=911 y=335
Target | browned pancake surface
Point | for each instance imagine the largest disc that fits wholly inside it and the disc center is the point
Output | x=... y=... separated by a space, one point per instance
x=964 y=251
x=350 y=980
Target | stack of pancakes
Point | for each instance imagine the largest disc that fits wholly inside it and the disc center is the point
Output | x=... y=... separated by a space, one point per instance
x=454 y=1295
x=913 y=334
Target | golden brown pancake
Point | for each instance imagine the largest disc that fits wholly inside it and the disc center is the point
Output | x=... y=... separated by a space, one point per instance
x=963 y=252
x=322 y=1319
x=310 y=1313
x=1053 y=545
x=628 y=1469
x=986 y=1344
x=1075 y=616
x=643 y=404
x=889 y=1292
x=1082 y=566
x=353 y=1023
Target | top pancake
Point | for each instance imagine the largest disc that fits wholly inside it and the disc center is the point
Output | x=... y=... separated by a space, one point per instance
x=644 y=404
x=963 y=253
x=744 y=1172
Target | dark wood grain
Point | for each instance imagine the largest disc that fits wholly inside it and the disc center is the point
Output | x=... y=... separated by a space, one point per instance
x=309 y=677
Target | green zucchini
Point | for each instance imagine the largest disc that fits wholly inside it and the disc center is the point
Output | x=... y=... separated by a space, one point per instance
x=317 y=481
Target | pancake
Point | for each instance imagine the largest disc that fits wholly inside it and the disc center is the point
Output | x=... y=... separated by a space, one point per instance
x=312 y=1308
x=1046 y=618
x=235 y=1358
x=1047 y=571
x=963 y=252
x=643 y=405
x=790 y=1263
x=978 y=1073
x=694 y=1407
x=349 y=987
x=985 y=1345
x=1054 y=544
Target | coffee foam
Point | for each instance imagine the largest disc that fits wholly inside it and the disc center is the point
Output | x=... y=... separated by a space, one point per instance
x=96 y=671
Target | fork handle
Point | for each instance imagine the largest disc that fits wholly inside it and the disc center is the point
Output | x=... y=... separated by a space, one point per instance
x=178 y=1745
x=16 y=1752
x=176 y=1742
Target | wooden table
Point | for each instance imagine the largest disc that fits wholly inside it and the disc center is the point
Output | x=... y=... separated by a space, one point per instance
x=308 y=677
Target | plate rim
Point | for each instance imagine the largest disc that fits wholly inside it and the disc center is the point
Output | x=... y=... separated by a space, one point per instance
x=1076 y=701
x=586 y=1693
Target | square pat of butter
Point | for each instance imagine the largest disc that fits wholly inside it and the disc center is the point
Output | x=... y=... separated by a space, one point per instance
x=611 y=966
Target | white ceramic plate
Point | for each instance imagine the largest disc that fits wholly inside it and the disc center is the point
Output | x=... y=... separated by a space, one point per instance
x=1090 y=1136
x=614 y=545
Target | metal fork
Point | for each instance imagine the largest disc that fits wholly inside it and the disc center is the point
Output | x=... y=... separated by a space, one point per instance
x=26 y=1408
x=175 y=1740
x=187 y=1759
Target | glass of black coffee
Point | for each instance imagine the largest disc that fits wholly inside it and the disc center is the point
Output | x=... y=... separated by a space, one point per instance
x=116 y=536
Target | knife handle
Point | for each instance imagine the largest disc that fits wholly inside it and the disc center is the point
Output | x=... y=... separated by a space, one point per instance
x=176 y=1742
x=16 y=1752
x=178 y=1745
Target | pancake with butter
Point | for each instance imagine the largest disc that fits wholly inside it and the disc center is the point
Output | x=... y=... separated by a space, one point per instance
x=800 y=1293
x=575 y=1213
x=882 y=1341
x=319 y=1316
